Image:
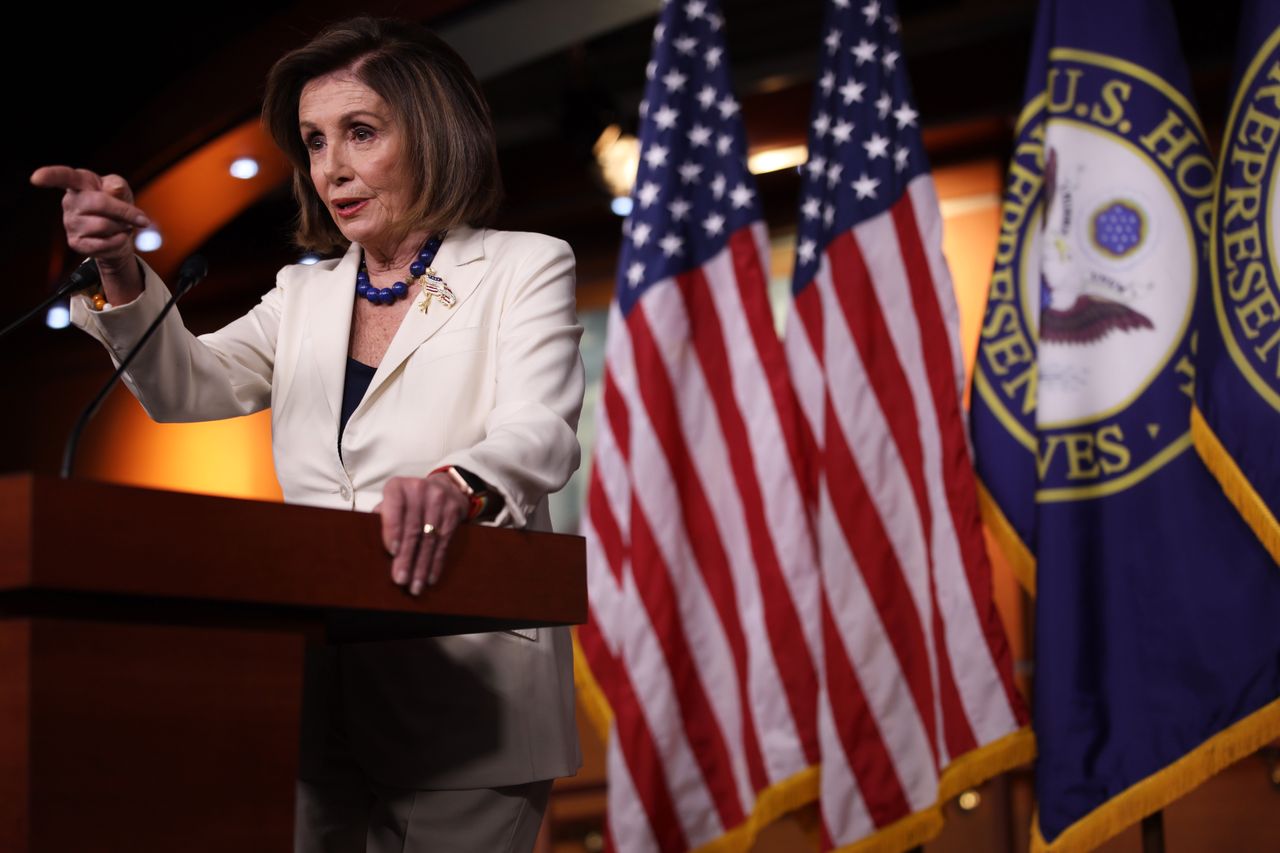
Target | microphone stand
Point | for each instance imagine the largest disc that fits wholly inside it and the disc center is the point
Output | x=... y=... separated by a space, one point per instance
x=84 y=277
x=193 y=270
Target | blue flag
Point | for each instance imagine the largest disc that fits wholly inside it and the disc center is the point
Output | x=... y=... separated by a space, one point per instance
x=1237 y=414
x=1157 y=642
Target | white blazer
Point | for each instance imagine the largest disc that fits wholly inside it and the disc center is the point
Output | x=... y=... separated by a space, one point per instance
x=494 y=385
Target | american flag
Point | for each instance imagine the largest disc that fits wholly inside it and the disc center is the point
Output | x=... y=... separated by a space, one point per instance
x=700 y=654
x=918 y=700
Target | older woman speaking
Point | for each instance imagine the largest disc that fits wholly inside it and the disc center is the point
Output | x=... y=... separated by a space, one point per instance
x=429 y=373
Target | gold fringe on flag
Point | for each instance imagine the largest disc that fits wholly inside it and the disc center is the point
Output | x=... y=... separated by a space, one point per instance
x=1235 y=484
x=1014 y=549
x=1164 y=786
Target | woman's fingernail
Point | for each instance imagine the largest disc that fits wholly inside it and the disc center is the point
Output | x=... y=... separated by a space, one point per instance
x=401 y=577
x=416 y=588
x=395 y=546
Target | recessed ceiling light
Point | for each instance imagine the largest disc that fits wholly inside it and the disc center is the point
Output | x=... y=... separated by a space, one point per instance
x=244 y=168
x=147 y=240
x=59 y=317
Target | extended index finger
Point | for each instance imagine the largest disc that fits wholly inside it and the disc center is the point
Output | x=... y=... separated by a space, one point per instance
x=65 y=178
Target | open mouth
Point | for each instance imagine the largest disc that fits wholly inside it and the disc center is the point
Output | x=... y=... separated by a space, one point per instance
x=347 y=208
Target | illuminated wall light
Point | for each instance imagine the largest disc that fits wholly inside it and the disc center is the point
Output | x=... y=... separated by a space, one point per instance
x=244 y=168
x=622 y=205
x=618 y=158
x=59 y=317
x=776 y=159
x=309 y=258
x=148 y=240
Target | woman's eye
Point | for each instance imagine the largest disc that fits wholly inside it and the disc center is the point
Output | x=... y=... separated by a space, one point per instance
x=362 y=134
x=314 y=142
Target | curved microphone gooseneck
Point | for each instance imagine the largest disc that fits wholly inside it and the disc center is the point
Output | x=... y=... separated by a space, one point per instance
x=84 y=277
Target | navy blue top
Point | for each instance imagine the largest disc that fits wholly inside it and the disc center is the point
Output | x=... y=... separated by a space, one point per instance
x=359 y=375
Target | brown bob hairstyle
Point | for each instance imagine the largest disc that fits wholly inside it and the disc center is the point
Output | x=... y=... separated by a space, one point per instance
x=434 y=96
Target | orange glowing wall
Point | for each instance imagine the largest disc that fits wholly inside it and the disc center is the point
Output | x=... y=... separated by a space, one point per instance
x=189 y=203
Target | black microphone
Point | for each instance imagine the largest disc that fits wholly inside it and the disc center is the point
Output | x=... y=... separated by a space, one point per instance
x=192 y=271
x=83 y=277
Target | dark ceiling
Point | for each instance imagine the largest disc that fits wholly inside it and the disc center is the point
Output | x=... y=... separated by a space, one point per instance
x=123 y=93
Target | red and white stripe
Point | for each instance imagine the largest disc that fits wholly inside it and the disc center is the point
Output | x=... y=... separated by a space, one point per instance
x=916 y=667
x=702 y=570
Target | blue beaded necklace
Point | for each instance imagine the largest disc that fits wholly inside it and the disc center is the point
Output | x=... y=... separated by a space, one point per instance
x=420 y=273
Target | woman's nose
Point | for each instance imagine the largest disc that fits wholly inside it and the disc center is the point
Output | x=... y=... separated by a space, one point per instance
x=337 y=167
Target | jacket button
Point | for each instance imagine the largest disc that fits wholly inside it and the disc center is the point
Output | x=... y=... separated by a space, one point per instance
x=345 y=492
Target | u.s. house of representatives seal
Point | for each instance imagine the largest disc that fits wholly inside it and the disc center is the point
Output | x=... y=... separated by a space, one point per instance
x=1087 y=338
x=1243 y=244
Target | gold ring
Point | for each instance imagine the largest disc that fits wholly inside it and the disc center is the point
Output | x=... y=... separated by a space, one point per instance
x=429 y=529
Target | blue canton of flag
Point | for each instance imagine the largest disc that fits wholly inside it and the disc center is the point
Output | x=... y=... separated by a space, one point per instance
x=864 y=140
x=693 y=188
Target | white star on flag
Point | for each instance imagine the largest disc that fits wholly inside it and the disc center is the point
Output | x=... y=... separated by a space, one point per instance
x=640 y=233
x=741 y=195
x=872 y=11
x=656 y=156
x=674 y=80
x=865 y=51
x=827 y=82
x=723 y=143
x=672 y=245
x=852 y=91
x=647 y=194
x=865 y=186
x=812 y=208
x=822 y=124
x=695 y=9
x=842 y=132
x=877 y=146
x=905 y=115
x=833 y=173
x=689 y=172
x=635 y=273
x=714 y=224
x=806 y=251
x=665 y=117
x=717 y=186
x=712 y=57
x=833 y=41
x=890 y=60
x=884 y=103
x=679 y=209
x=728 y=106
x=816 y=166
x=686 y=44
x=699 y=135
x=900 y=158
x=707 y=96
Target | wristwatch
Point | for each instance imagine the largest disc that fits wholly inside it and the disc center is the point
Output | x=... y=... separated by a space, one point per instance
x=485 y=502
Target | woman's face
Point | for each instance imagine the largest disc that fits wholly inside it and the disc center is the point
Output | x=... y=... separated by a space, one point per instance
x=357 y=163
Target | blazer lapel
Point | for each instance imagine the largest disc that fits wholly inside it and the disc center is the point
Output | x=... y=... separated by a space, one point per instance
x=330 y=301
x=461 y=263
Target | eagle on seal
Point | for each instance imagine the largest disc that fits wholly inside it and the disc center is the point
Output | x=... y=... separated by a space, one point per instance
x=1089 y=317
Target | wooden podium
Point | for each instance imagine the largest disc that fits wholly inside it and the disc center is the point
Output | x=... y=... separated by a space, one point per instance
x=151 y=652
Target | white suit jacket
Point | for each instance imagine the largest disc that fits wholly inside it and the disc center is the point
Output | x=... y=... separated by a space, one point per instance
x=494 y=385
